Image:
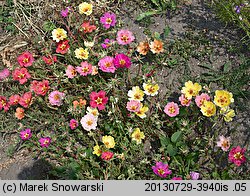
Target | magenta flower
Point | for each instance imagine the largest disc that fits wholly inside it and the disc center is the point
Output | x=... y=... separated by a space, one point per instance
x=45 y=142
x=184 y=101
x=108 y=20
x=84 y=69
x=236 y=155
x=199 y=100
x=176 y=178
x=71 y=71
x=161 y=169
x=107 y=155
x=125 y=37
x=98 y=100
x=133 y=106
x=194 y=175
x=171 y=109
x=4 y=74
x=73 y=124
x=56 y=98
x=224 y=143
x=106 y=64
x=64 y=13
x=122 y=61
x=25 y=134
x=107 y=43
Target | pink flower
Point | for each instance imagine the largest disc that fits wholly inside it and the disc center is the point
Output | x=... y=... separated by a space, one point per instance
x=71 y=71
x=40 y=88
x=194 y=175
x=73 y=124
x=133 y=106
x=107 y=155
x=106 y=64
x=25 y=59
x=4 y=74
x=161 y=169
x=25 y=100
x=4 y=104
x=64 y=13
x=98 y=100
x=236 y=155
x=84 y=69
x=22 y=75
x=49 y=60
x=25 y=134
x=56 y=98
x=125 y=37
x=171 y=109
x=199 y=100
x=122 y=61
x=176 y=178
x=107 y=43
x=89 y=122
x=14 y=99
x=108 y=20
x=45 y=142
x=224 y=143
x=184 y=101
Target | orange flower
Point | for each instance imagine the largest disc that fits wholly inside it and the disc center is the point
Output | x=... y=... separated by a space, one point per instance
x=143 y=48
x=80 y=103
x=156 y=46
x=19 y=113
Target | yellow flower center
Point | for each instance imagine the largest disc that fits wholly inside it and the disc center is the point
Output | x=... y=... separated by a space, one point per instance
x=57 y=97
x=190 y=91
x=122 y=62
x=89 y=122
x=21 y=75
x=26 y=135
x=225 y=144
x=46 y=142
x=171 y=110
x=73 y=72
x=108 y=64
x=98 y=100
x=25 y=60
x=137 y=96
x=133 y=107
x=63 y=46
x=238 y=156
x=85 y=70
x=3 y=102
x=108 y=20
x=138 y=136
x=124 y=38
x=161 y=171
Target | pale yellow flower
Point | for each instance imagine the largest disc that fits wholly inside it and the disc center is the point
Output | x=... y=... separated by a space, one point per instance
x=81 y=53
x=93 y=111
x=151 y=89
x=227 y=113
x=97 y=150
x=108 y=141
x=136 y=94
x=85 y=8
x=142 y=112
x=59 y=34
x=137 y=136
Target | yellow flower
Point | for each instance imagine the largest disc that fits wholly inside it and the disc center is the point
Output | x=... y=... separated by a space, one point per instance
x=150 y=89
x=85 y=8
x=59 y=34
x=108 y=141
x=137 y=135
x=97 y=150
x=81 y=53
x=208 y=108
x=223 y=98
x=227 y=113
x=136 y=94
x=142 y=111
x=191 y=89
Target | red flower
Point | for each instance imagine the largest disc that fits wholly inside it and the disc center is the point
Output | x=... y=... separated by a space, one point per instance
x=25 y=59
x=107 y=155
x=25 y=100
x=62 y=47
x=14 y=99
x=236 y=155
x=87 y=28
x=49 y=60
x=22 y=75
x=40 y=88
x=4 y=104
x=98 y=100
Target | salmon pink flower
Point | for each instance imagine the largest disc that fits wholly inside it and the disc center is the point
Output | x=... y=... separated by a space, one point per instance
x=87 y=27
x=49 y=60
x=143 y=48
x=98 y=99
x=84 y=69
x=40 y=88
x=107 y=155
x=224 y=143
x=184 y=101
x=71 y=71
x=122 y=61
x=108 y=20
x=236 y=155
x=14 y=99
x=156 y=46
x=4 y=74
x=106 y=64
x=25 y=100
x=171 y=109
x=19 y=114
x=194 y=175
x=25 y=59
x=62 y=47
x=199 y=99
x=73 y=124
x=161 y=169
x=89 y=122
x=56 y=98
x=4 y=104
x=22 y=75
x=133 y=106
x=45 y=142
x=125 y=37
x=25 y=134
